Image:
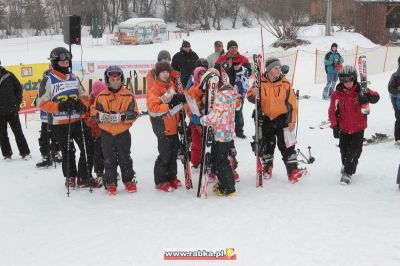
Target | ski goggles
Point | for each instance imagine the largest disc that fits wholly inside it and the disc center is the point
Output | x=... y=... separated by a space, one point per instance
x=346 y=79
x=64 y=56
x=114 y=74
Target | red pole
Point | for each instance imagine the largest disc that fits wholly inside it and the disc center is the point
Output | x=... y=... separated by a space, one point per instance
x=355 y=60
x=262 y=43
x=384 y=64
x=316 y=64
x=294 y=70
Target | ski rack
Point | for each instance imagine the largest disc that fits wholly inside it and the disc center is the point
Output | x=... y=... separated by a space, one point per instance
x=307 y=160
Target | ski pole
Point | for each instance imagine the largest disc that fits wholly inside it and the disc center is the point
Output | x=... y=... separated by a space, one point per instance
x=312 y=159
x=68 y=149
x=85 y=153
x=297 y=116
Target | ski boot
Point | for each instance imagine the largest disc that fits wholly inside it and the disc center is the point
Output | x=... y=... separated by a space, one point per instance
x=296 y=174
x=70 y=181
x=345 y=180
x=91 y=182
x=175 y=183
x=44 y=162
x=111 y=189
x=130 y=186
x=165 y=186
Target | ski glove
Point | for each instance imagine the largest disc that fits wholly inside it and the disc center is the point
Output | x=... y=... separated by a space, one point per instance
x=398 y=101
x=363 y=98
x=115 y=118
x=103 y=117
x=66 y=106
x=195 y=119
x=79 y=106
x=336 y=132
x=176 y=100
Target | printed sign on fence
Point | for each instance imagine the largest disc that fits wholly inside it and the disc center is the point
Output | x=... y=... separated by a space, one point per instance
x=90 y=71
x=30 y=76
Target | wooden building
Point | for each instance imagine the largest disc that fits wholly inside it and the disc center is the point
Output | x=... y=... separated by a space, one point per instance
x=374 y=18
x=342 y=12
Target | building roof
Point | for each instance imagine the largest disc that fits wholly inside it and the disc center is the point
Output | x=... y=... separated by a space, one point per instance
x=133 y=21
x=378 y=1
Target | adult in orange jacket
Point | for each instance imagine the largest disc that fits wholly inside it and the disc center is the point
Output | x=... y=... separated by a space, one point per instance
x=163 y=56
x=279 y=111
x=164 y=104
x=61 y=96
x=115 y=109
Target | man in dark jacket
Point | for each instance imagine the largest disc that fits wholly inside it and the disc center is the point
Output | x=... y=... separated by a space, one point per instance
x=234 y=58
x=184 y=62
x=10 y=101
x=394 y=91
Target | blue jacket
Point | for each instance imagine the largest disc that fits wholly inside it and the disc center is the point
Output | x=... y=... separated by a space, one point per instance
x=330 y=58
x=242 y=82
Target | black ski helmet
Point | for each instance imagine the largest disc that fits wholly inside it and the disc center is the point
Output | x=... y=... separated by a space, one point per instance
x=201 y=62
x=347 y=72
x=60 y=54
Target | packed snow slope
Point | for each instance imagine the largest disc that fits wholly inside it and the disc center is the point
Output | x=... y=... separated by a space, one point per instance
x=314 y=222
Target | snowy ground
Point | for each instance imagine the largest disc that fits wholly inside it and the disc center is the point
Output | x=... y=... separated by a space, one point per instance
x=313 y=222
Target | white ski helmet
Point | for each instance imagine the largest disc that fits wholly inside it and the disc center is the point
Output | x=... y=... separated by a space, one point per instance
x=347 y=72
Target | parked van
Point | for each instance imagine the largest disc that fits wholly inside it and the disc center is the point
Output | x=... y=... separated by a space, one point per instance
x=142 y=31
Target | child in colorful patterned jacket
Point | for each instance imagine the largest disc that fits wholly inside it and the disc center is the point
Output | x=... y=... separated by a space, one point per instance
x=221 y=117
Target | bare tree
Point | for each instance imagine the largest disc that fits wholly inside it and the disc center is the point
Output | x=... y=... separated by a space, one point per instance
x=217 y=14
x=237 y=4
x=282 y=18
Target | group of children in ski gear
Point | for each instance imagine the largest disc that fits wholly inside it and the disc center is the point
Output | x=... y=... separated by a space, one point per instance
x=99 y=123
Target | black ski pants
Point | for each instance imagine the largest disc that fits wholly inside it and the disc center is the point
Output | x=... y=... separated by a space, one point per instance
x=397 y=115
x=221 y=164
x=61 y=133
x=350 y=150
x=239 y=120
x=165 y=167
x=272 y=134
x=98 y=158
x=117 y=151
x=15 y=124
x=47 y=141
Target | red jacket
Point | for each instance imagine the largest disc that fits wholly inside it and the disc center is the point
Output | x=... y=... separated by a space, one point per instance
x=238 y=58
x=345 y=110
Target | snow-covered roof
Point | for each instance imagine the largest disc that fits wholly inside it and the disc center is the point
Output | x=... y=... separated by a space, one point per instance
x=378 y=1
x=134 y=21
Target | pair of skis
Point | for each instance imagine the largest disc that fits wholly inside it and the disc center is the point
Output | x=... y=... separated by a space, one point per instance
x=184 y=143
x=257 y=59
x=362 y=68
x=210 y=85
